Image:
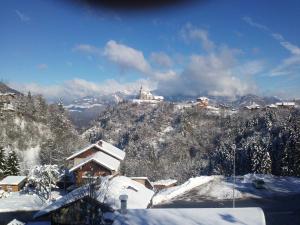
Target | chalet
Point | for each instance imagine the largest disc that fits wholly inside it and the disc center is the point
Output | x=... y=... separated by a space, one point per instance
x=12 y=183
x=7 y=97
x=286 y=104
x=202 y=102
x=144 y=181
x=272 y=106
x=162 y=184
x=99 y=159
x=253 y=106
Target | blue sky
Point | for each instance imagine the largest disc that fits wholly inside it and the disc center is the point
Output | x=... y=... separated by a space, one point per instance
x=216 y=47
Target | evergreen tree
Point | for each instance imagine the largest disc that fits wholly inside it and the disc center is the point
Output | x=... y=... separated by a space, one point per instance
x=2 y=162
x=12 y=164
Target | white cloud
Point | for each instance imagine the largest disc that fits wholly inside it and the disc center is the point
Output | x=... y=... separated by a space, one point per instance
x=126 y=57
x=289 y=65
x=189 y=32
x=80 y=88
x=254 y=24
x=22 y=16
x=211 y=74
x=161 y=58
x=88 y=49
x=42 y=66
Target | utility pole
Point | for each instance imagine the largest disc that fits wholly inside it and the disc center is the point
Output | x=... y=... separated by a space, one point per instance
x=50 y=181
x=233 y=188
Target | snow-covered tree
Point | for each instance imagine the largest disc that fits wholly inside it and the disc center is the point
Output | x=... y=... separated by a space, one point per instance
x=12 y=166
x=42 y=178
x=2 y=162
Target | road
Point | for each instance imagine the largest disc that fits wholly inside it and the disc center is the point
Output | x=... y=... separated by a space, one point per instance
x=279 y=210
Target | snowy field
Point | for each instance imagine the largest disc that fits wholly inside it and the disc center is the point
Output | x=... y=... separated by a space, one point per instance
x=221 y=188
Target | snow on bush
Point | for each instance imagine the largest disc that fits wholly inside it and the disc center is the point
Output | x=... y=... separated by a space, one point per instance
x=40 y=178
x=3 y=194
x=172 y=192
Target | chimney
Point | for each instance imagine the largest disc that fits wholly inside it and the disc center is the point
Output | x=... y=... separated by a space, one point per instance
x=100 y=143
x=123 y=199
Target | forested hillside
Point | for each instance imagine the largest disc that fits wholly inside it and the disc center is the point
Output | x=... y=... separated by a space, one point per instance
x=36 y=130
x=163 y=141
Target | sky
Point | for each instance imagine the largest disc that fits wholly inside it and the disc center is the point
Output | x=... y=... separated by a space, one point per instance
x=219 y=48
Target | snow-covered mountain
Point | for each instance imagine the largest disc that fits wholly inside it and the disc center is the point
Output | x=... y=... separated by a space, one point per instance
x=83 y=110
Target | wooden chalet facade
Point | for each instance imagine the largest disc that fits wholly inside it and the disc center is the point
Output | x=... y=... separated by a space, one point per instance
x=99 y=159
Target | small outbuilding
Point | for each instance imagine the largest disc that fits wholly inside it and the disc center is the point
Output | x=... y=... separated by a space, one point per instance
x=12 y=183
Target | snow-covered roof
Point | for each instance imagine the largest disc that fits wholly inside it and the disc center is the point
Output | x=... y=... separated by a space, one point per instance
x=101 y=158
x=21 y=202
x=12 y=180
x=285 y=104
x=111 y=188
x=139 y=196
x=73 y=196
x=253 y=106
x=167 y=182
x=102 y=146
x=15 y=222
x=202 y=98
x=192 y=216
x=272 y=106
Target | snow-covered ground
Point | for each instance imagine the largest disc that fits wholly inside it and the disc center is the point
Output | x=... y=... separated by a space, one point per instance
x=221 y=188
x=169 y=193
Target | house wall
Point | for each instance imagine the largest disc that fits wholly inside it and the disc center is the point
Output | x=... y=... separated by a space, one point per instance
x=12 y=188
x=82 y=156
x=93 y=168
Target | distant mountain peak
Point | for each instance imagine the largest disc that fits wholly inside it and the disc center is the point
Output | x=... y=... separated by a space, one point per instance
x=6 y=89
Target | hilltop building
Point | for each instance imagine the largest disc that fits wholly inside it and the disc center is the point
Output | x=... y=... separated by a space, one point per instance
x=286 y=104
x=148 y=97
x=202 y=102
x=253 y=106
x=99 y=159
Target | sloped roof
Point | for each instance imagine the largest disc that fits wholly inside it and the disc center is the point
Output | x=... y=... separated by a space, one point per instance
x=102 y=146
x=13 y=180
x=73 y=196
x=102 y=159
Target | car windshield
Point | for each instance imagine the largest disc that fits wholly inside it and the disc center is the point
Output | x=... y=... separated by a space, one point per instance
x=150 y=112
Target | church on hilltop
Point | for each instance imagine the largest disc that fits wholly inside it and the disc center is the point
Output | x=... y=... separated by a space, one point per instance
x=147 y=96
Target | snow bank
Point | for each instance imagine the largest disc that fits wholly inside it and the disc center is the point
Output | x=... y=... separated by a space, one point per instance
x=219 y=189
x=278 y=184
x=139 y=196
x=193 y=216
x=172 y=192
